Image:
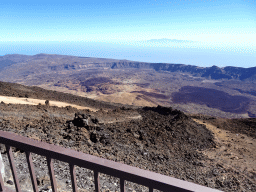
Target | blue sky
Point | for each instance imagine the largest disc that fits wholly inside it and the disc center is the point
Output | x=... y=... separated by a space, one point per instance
x=216 y=27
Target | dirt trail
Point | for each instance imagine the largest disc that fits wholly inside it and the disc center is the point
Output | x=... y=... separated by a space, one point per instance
x=29 y=101
x=236 y=151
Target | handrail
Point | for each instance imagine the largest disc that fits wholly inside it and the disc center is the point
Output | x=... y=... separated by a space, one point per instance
x=98 y=165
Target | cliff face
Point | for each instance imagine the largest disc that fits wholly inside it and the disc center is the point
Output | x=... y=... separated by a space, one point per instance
x=213 y=72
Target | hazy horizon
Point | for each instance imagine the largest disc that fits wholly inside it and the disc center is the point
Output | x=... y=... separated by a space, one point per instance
x=189 y=56
x=196 y=32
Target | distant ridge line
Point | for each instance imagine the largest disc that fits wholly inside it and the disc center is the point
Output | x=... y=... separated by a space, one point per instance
x=214 y=72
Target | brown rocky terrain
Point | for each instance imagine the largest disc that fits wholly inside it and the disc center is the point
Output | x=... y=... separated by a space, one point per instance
x=209 y=91
x=214 y=149
x=200 y=149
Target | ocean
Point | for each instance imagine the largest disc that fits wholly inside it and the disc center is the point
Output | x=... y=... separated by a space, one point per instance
x=194 y=56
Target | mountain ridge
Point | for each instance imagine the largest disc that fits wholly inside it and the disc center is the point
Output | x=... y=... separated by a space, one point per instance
x=213 y=72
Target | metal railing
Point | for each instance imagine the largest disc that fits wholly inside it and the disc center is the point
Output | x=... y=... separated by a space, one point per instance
x=98 y=165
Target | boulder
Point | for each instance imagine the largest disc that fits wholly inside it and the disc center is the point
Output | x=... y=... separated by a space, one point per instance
x=84 y=120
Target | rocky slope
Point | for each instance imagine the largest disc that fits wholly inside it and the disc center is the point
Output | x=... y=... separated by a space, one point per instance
x=158 y=139
x=17 y=90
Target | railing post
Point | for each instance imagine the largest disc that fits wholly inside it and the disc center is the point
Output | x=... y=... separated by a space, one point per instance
x=13 y=168
x=32 y=171
x=96 y=181
x=1 y=183
x=51 y=172
x=1 y=177
x=73 y=177
x=122 y=185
